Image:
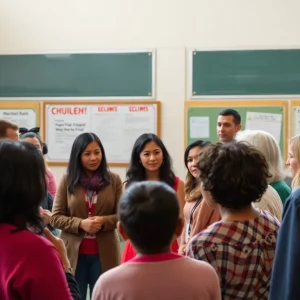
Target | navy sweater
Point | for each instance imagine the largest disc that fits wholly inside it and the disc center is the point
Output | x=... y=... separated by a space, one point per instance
x=285 y=275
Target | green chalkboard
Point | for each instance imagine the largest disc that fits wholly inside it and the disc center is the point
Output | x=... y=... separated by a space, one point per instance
x=77 y=75
x=257 y=72
x=212 y=109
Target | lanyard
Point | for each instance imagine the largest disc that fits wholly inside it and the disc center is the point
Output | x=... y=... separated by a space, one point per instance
x=192 y=213
x=90 y=202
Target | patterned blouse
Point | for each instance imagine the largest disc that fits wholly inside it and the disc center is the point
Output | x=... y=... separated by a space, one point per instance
x=242 y=253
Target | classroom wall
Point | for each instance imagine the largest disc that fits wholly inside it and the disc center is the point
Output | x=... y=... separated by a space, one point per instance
x=171 y=27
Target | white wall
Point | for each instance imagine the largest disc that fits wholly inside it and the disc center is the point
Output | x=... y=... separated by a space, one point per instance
x=169 y=26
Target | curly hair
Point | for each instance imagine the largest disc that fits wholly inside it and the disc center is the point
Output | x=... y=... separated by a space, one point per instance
x=235 y=174
x=192 y=187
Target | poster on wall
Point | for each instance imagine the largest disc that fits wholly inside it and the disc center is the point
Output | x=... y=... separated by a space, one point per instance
x=118 y=125
x=24 y=114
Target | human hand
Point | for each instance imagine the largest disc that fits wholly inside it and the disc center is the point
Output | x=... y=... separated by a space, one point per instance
x=60 y=247
x=46 y=215
x=90 y=225
x=99 y=219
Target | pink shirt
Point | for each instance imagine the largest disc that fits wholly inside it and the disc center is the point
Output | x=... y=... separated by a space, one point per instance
x=159 y=277
x=51 y=183
x=30 y=267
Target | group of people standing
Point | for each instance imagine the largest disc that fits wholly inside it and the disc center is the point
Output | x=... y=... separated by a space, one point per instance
x=227 y=213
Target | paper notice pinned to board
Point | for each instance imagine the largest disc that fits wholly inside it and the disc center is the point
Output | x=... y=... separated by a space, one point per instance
x=264 y=121
x=296 y=125
x=199 y=127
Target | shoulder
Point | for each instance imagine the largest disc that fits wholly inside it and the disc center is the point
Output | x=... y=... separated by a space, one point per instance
x=39 y=246
x=178 y=184
x=115 y=178
x=281 y=187
x=293 y=202
x=64 y=178
x=271 y=202
x=106 y=284
x=63 y=183
x=215 y=233
x=269 y=221
x=271 y=193
x=197 y=265
x=50 y=173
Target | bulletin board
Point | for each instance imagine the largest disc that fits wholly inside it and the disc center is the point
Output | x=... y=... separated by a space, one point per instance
x=24 y=114
x=295 y=118
x=118 y=125
x=269 y=115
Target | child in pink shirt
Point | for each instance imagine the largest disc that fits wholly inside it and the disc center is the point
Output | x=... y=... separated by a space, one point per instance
x=146 y=209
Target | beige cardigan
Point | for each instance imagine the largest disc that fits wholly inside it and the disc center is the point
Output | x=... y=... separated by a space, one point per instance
x=68 y=211
x=271 y=202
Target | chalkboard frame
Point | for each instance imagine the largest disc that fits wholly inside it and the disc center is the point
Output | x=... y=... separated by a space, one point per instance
x=195 y=94
x=151 y=95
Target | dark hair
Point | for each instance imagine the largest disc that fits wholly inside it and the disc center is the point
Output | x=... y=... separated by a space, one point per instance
x=22 y=184
x=192 y=188
x=4 y=125
x=149 y=213
x=136 y=171
x=231 y=112
x=35 y=135
x=235 y=174
x=75 y=168
x=198 y=143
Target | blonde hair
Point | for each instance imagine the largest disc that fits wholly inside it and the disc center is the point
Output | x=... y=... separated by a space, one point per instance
x=295 y=147
x=192 y=188
x=268 y=146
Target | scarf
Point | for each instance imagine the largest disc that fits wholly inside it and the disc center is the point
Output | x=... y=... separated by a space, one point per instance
x=94 y=183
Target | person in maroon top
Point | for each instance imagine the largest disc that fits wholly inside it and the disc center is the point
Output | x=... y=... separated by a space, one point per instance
x=150 y=160
x=32 y=267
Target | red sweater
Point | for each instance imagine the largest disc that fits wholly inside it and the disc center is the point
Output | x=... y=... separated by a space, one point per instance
x=30 y=267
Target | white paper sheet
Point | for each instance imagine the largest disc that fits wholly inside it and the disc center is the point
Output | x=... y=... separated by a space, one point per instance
x=265 y=121
x=64 y=124
x=118 y=126
x=22 y=117
x=199 y=127
x=296 y=129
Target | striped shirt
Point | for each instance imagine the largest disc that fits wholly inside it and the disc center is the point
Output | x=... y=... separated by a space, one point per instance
x=242 y=253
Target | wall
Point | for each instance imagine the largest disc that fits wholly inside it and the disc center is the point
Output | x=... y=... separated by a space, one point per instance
x=169 y=26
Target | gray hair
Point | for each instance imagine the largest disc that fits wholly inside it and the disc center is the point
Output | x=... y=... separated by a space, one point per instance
x=267 y=144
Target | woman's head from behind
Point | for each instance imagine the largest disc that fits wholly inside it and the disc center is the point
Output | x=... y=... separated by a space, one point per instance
x=22 y=184
x=191 y=159
x=149 y=155
x=267 y=144
x=87 y=157
x=233 y=175
x=293 y=160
